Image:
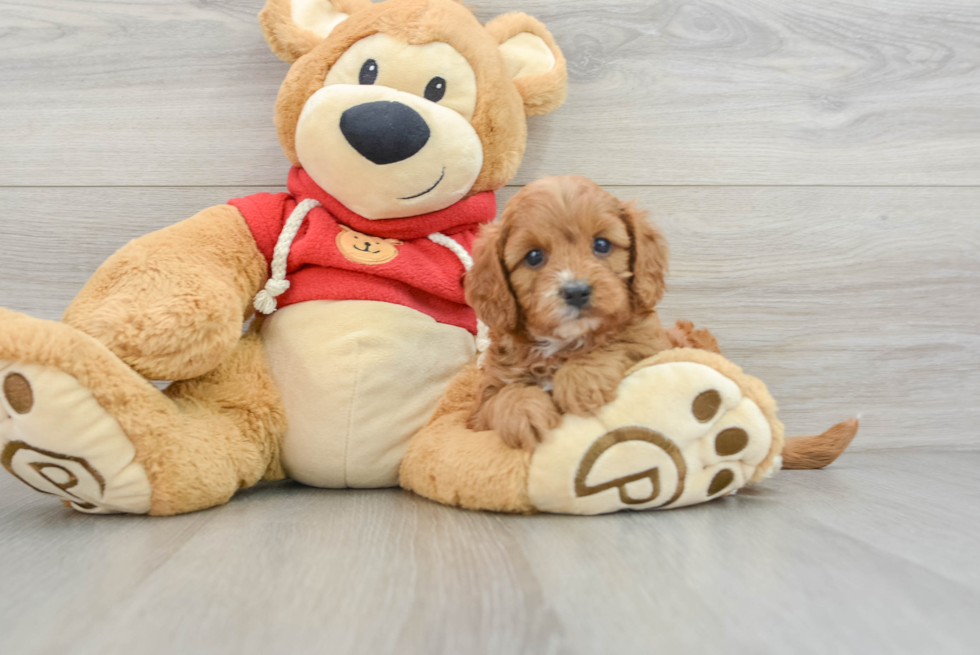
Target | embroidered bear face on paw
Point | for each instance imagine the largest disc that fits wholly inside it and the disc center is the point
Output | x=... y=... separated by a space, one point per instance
x=405 y=107
x=366 y=249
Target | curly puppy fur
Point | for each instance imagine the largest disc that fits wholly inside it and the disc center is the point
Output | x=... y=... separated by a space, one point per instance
x=567 y=282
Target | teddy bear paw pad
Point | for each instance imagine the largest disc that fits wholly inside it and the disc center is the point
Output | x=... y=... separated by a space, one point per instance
x=57 y=439
x=678 y=433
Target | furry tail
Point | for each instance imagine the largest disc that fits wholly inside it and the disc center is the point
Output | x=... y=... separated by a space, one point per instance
x=817 y=452
x=683 y=335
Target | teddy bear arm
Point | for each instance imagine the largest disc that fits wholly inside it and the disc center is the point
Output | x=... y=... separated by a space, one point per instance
x=171 y=304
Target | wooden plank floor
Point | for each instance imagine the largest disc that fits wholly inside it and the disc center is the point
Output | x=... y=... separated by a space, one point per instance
x=874 y=555
x=816 y=168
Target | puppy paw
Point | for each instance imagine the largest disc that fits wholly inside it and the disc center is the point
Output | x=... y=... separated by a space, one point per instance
x=583 y=390
x=679 y=433
x=522 y=416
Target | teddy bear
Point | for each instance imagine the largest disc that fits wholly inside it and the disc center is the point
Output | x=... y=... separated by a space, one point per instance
x=400 y=119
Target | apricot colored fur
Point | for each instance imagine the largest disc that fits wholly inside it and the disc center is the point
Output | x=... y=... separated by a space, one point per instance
x=539 y=344
x=171 y=305
x=684 y=335
x=821 y=450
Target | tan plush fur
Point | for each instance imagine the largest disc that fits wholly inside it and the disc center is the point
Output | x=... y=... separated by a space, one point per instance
x=797 y=452
x=171 y=304
x=541 y=93
x=499 y=118
x=200 y=442
x=753 y=388
x=540 y=342
x=452 y=465
x=561 y=216
x=455 y=460
x=288 y=41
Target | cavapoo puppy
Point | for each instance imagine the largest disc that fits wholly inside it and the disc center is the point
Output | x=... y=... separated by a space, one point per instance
x=567 y=281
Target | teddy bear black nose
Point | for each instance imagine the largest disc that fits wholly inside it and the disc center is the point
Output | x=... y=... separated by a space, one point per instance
x=384 y=132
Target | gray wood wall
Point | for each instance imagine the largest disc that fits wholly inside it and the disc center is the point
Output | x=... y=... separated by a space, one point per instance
x=815 y=165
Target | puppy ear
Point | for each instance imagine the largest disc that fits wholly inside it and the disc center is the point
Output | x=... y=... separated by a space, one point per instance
x=294 y=27
x=487 y=290
x=534 y=61
x=648 y=257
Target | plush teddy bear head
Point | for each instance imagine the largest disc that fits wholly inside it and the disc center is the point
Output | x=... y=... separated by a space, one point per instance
x=407 y=106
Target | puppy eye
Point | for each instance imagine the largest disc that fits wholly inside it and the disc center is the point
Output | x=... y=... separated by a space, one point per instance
x=601 y=246
x=369 y=72
x=534 y=259
x=435 y=89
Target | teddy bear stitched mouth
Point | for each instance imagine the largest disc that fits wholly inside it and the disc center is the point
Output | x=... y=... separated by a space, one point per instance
x=419 y=195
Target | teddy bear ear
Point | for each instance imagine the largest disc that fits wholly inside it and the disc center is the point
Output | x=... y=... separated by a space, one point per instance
x=294 y=27
x=534 y=61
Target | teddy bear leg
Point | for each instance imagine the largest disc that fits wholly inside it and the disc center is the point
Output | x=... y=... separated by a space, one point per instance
x=78 y=423
x=228 y=433
x=687 y=426
x=449 y=464
x=171 y=303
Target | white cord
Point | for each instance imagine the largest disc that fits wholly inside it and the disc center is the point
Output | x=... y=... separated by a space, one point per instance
x=452 y=244
x=265 y=300
x=482 y=331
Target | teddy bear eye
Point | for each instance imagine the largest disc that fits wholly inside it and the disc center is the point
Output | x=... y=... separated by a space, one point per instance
x=534 y=259
x=369 y=72
x=435 y=89
x=601 y=246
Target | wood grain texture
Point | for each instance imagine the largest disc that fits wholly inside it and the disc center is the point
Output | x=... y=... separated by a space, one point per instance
x=845 y=301
x=872 y=555
x=803 y=159
x=157 y=92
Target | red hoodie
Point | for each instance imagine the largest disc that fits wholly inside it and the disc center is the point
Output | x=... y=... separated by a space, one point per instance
x=390 y=260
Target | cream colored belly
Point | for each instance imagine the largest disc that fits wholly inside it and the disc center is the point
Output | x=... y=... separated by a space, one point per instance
x=358 y=379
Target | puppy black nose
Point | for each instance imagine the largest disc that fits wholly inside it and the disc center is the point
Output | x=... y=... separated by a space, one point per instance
x=576 y=294
x=384 y=132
